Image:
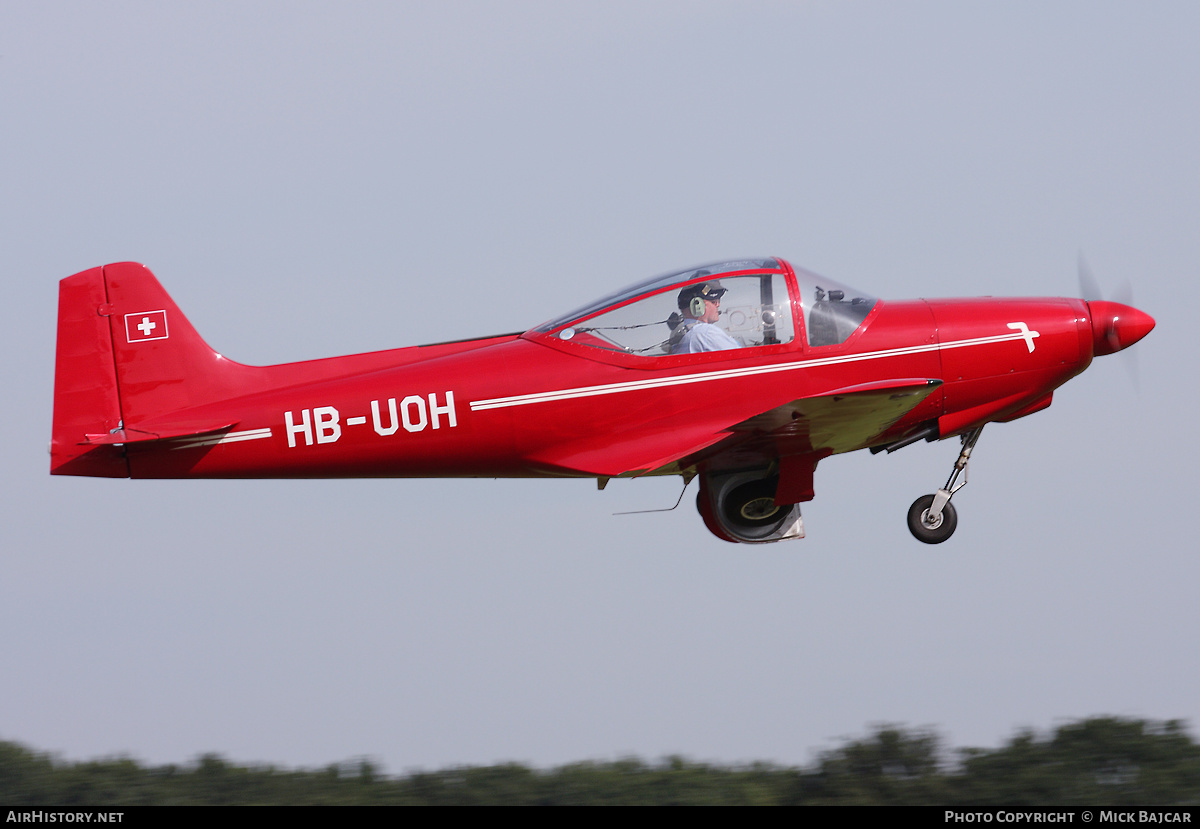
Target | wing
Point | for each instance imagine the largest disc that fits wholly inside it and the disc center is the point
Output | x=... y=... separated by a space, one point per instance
x=839 y=421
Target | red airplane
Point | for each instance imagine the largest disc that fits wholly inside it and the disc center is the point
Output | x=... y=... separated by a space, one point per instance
x=744 y=374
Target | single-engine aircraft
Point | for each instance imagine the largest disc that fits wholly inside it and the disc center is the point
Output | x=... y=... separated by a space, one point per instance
x=744 y=374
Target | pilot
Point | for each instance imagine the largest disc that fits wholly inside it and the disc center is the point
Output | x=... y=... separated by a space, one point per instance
x=700 y=306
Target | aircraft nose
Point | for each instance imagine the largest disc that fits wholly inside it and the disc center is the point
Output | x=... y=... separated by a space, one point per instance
x=1116 y=326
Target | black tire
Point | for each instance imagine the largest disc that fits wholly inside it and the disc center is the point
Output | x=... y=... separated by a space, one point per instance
x=753 y=505
x=931 y=534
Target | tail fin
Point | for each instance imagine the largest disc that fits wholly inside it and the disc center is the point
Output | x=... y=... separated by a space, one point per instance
x=126 y=355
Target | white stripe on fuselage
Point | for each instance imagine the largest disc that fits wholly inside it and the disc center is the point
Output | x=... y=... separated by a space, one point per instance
x=726 y=374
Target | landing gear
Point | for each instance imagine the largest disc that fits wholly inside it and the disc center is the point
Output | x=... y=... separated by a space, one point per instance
x=932 y=518
x=740 y=507
x=932 y=529
x=753 y=504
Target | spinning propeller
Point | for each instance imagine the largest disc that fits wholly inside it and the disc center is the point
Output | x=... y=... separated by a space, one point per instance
x=1115 y=325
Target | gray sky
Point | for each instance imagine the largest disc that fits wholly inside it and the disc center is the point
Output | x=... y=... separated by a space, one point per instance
x=312 y=179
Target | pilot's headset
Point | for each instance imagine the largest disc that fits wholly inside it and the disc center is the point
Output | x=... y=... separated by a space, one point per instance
x=693 y=296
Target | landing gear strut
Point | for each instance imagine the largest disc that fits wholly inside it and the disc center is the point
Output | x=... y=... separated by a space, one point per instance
x=932 y=518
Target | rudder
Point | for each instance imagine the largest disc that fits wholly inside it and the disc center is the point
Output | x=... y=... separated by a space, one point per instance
x=85 y=381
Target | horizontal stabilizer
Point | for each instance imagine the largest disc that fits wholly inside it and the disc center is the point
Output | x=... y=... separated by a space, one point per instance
x=133 y=434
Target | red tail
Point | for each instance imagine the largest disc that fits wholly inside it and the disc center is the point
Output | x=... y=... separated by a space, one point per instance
x=85 y=381
x=131 y=368
x=127 y=355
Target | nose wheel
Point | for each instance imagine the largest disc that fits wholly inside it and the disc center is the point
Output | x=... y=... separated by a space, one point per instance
x=932 y=518
x=929 y=527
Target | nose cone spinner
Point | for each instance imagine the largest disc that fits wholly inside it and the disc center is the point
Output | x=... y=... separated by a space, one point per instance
x=1116 y=326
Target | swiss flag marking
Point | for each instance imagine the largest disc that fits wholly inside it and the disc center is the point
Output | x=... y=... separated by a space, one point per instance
x=146 y=325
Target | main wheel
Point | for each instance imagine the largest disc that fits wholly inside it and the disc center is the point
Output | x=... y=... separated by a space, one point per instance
x=753 y=504
x=927 y=529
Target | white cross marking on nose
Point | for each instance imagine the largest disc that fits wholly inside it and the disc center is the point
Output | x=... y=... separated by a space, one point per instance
x=1026 y=334
x=146 y=326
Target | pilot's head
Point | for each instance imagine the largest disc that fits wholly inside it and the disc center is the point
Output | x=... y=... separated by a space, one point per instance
x=702 y=301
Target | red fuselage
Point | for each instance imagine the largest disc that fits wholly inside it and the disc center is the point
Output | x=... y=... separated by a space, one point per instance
x=564 y=399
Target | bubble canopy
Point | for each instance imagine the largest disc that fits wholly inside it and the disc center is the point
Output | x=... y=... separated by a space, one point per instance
x=832 y=311
x=653 y=284
x=750 y=306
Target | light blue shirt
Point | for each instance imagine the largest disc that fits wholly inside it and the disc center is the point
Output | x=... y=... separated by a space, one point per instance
x=704 y=336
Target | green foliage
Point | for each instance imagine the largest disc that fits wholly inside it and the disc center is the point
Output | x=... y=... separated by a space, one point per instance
x=1102 y=762
x=891 y=767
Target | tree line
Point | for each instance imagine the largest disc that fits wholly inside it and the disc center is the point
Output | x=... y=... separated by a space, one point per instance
x=1101 y=762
